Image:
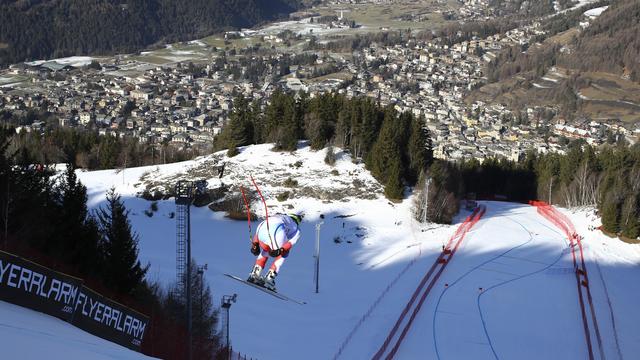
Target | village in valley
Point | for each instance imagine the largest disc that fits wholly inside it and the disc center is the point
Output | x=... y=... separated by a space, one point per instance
x=182 y=94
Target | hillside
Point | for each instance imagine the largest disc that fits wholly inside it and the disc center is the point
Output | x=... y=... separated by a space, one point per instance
x=55 y=28
x=373 y=256
x=30 y=335
x=586 y=66
x=610 y=43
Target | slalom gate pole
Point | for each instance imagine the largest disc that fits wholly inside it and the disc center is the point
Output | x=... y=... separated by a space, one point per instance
x=266 y=211
x=246 y=204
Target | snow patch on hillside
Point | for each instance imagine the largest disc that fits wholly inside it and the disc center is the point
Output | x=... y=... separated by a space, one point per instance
x=75 y=61
x=270 y=169
x=595 y=12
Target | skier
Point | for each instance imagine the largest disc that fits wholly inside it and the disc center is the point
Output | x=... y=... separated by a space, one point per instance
x=274 y=237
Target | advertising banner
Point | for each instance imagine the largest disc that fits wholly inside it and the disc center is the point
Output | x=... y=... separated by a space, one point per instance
x=28 y=284
x=109 y=320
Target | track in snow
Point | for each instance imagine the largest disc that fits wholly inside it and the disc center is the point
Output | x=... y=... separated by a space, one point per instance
x=517 y=278
x=506 y=286
x=394 y=340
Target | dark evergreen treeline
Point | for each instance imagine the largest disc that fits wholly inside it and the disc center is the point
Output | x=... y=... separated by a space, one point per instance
x=607 y=177
x=45 y=219
x=55 y=28
x=86 y=149
x=396 y=147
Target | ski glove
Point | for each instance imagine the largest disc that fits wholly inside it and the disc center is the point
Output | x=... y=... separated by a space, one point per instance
x=255 y=248
x=277 y=252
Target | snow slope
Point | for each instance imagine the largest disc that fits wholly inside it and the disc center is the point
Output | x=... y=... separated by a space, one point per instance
x=30 y=335
x=372 y=258
x=595 y=12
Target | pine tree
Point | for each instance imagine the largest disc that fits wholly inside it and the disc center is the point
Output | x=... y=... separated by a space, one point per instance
x=630 y=224
x=6 y=175
x=258 y=123
x=315 y=131
x=343 y=130
x=239 y=131
x=611 y=214
x=386 y=150
x=282 y=125
x=123 y=272
x=420 y=150
x=79 y=236
x=393 y=188
x=204 y=316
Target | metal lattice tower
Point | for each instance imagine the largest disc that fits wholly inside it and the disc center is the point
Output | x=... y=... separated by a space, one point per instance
x=184 y=197
x=185 y=194
x=181 y=245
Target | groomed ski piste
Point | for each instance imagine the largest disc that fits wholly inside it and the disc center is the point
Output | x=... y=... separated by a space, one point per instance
x=30 y=335
x=507 y=291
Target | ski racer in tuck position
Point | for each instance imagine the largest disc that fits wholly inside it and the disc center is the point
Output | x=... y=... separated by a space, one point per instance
x=274 y=237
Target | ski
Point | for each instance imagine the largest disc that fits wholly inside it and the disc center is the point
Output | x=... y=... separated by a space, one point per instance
x=262 y=288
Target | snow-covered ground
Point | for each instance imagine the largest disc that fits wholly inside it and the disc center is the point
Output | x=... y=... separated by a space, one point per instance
x=75 y=61
x=300 y=27
x=30 y=335
x=373 y=256
x=595 y=12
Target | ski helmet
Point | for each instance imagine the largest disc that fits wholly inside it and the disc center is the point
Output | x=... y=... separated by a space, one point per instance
x=296 y=217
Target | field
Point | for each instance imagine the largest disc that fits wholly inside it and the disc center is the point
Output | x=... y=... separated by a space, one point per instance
x=217 y=40
x=10 y=80
x=377 y=16
x=564 y=37
x=179 y=52
x=607 y=96
x=343 y=75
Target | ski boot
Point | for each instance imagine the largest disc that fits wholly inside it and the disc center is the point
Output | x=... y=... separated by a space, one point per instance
x=254 y=276
x=270 y=280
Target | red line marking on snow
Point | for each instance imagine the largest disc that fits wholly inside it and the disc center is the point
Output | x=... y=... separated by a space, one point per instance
x=582 y=280
x=443 y=259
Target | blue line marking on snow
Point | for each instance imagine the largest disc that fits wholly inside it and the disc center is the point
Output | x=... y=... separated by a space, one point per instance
x=484 y=324
x=435 y=313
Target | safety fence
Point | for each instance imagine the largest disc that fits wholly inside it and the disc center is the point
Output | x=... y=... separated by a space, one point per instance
x=438 y=267
x=580 y=270
x=25 y=283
